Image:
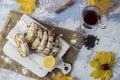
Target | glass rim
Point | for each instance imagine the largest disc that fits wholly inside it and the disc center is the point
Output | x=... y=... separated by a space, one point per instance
x=95 y=9
x=92 y=6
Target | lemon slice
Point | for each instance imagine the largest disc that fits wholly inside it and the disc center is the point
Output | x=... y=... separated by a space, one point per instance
x=49 y=62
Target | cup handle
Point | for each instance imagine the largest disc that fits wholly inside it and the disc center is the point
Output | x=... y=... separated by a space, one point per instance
x=102 y=24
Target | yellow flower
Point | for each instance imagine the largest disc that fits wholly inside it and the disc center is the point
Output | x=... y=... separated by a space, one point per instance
x=103 y=5
x=66 y=78
x=22 y=1
x=61 y=76
x=25 y=1
x=103 y=64
x=28 y=6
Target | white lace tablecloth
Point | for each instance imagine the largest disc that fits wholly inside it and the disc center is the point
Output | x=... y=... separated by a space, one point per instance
x=70 y=19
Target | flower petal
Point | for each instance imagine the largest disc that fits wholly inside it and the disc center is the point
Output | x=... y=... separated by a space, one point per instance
x=28 y=6
x=107 y=75
x=25 y=1
x=66 y=78
x=101 y=56
x=111 y=58
x=97 y=73
x=95 y=63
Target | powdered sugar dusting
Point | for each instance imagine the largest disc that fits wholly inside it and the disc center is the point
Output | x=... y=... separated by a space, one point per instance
x=61 y=35
x=73 y=41
x=24 y=71
x=6 y=59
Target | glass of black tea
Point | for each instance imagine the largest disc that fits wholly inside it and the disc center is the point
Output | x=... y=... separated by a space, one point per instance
x=92 y=17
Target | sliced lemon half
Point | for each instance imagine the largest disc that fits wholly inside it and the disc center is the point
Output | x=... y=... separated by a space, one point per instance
x=49 y=62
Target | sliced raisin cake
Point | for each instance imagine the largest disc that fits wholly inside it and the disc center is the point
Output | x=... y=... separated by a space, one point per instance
x=39 y=39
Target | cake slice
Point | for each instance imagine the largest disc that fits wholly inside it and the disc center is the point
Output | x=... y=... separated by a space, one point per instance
x=21 y=44
x=31 y=32
x=56 y=46
x=48 y=47
x=43 y=42
x=38 y=38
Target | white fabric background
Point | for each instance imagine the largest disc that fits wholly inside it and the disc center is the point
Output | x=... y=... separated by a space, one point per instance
x=70 y=19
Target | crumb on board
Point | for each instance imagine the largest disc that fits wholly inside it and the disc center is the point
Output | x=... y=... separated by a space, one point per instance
x=6 y=59
x=53 y=28
x=73 y=41
x=61 y=35
x=9 y=25
x=24 y=71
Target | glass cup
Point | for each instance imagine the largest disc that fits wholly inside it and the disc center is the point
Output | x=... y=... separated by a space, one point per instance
x=92 y=17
